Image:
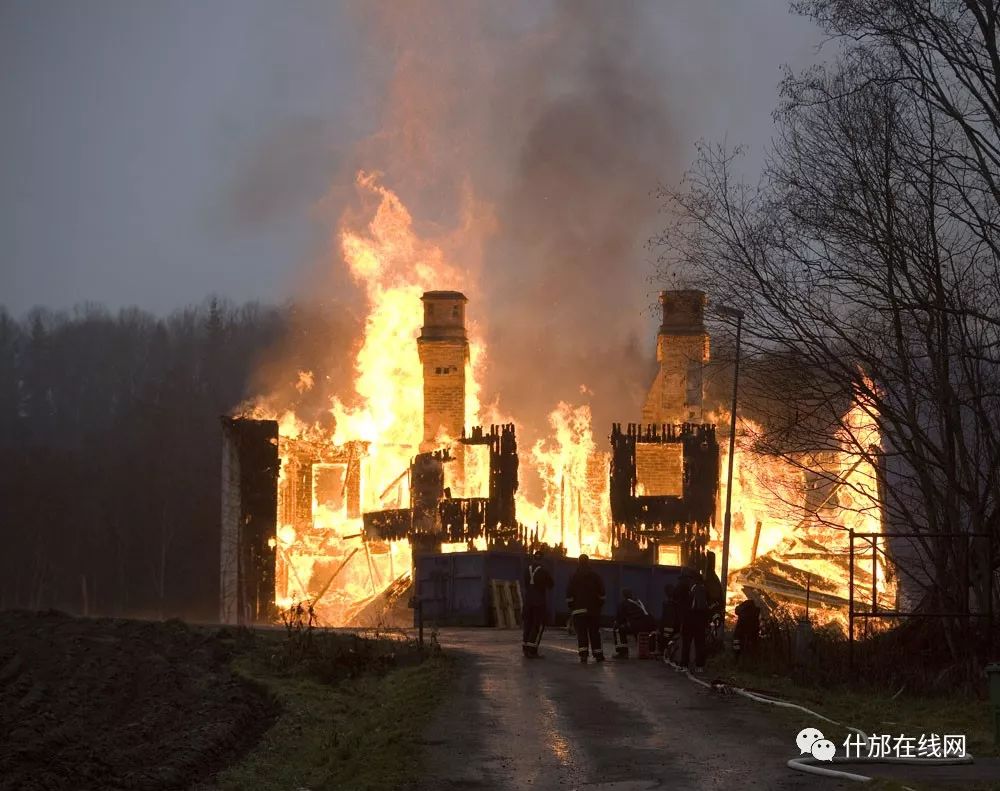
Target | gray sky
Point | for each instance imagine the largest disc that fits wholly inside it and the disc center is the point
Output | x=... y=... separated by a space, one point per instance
x=156 y=151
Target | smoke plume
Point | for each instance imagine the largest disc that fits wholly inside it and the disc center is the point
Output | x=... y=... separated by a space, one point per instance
x=536 y=132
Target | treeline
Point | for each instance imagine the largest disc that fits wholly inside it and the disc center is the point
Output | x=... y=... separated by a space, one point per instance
x=110 y=451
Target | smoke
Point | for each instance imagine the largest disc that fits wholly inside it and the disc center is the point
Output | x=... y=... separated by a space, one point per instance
x=282 y=174
x=312 y=362
x=539 y=131
x=567 y=273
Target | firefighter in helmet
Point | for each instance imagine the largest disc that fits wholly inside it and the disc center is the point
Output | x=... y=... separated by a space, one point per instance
x=585 y=597
x=747 y=630
x=633 y=619
x=537 y=583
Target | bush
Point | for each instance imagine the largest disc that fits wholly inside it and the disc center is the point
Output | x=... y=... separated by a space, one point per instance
x=911 y=655
x=326 y=656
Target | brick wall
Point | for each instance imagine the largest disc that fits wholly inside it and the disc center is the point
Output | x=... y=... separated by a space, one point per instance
x=444 y=387
x=677 y=393
x=660 y=469
x=683 y=309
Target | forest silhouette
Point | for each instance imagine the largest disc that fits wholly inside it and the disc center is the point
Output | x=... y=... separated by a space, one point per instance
x=111 y=448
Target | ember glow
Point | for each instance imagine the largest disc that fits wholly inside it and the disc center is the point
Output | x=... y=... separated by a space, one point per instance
x=791 y=535
x=328 y=480
x=379 y=429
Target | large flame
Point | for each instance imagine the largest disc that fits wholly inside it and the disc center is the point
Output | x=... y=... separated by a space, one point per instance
x=394 y=267
x=379 y=428
x=797 y=526
x=575 y=511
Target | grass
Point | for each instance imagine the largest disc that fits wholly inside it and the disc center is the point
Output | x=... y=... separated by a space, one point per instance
x=873 y=711
x=360 y=732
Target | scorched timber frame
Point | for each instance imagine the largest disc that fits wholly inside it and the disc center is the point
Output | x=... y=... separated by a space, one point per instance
x=435 y=516
x=642 y=522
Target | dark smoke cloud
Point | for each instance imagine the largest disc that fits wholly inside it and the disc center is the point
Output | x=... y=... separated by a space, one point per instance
x=567 y=272
x=313 y=361
x=554 y=118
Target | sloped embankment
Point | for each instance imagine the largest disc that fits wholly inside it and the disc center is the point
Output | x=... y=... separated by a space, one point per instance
x=115 y=704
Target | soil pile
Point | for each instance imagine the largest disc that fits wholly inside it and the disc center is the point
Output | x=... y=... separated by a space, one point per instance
x=115 y=704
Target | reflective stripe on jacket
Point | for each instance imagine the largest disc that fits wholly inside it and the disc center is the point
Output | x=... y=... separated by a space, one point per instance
x=585 y=591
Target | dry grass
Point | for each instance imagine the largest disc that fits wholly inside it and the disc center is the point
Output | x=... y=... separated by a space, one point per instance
x=341 y=727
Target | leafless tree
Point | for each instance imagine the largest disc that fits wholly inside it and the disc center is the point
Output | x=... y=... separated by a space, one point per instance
x=866 y=261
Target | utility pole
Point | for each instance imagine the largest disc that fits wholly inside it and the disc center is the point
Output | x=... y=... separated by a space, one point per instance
x=728 y=520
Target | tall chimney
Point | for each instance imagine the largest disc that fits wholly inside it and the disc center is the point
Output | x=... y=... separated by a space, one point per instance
x=677 y=394
x=444 y=350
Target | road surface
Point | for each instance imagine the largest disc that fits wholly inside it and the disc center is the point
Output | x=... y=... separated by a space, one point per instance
x=515 y=723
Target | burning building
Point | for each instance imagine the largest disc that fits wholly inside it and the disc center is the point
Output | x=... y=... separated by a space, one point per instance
x=299 y=511
x=677 y=395
x=416 y=464
x=665 y=472
x=792 y=516
x=791 y=541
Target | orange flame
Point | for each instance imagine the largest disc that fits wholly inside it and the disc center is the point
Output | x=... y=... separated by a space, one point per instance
x=326 y=562
x=395 y=267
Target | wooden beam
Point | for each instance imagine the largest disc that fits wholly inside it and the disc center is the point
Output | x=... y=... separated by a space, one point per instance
x=329 y=582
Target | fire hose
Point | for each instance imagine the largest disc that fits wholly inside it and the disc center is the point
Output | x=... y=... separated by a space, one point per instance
x=809 y=764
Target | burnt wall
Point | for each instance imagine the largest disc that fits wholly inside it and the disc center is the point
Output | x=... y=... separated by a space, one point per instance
x=250 y=466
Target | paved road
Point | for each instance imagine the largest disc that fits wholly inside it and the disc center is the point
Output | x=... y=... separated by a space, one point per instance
x=626 y=725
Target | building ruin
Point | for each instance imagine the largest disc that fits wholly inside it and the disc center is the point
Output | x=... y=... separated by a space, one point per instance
x=665 y=471
x=297 y=510
x=303 y=519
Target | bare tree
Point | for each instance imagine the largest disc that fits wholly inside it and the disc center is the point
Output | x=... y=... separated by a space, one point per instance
x=866 y=262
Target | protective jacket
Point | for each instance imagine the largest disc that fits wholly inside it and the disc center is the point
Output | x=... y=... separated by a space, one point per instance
x=682 y=594
x=699 y=596
x=537 y=582
x=747 y=621
x=631 y=610
x=585 y=592
x=634 y=617
x=713 y=586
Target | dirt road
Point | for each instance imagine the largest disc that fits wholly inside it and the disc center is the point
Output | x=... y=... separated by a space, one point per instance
x=514 y=723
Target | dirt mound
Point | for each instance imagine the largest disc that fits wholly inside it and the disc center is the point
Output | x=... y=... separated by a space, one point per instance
x=114 y=704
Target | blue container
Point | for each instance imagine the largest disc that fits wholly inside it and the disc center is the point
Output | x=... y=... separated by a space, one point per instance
x=455 y=587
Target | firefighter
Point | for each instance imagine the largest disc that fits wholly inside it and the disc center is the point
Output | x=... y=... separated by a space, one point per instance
x=713 y=586
x=633 y=619
x=747 y=629
x=681 y=605
x=537 y=583
x=585 y=597
x=695 y=623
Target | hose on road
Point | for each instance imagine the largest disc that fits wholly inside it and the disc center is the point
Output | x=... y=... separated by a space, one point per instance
x=809 y=764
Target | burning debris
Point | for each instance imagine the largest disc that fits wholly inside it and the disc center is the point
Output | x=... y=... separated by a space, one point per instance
x=419 y=465
x=810 y=567
x=436 y=518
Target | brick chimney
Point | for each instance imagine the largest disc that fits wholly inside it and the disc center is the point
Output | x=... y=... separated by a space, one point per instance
x=677 y=394
x=444 y=350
